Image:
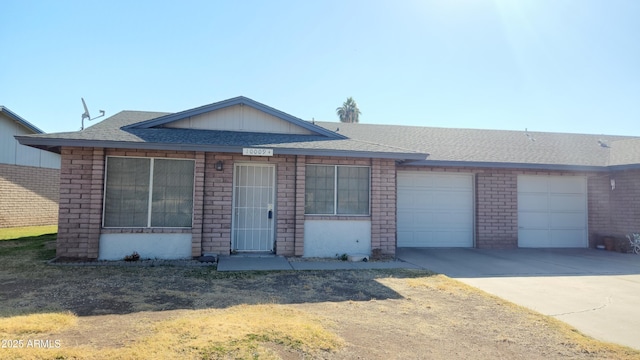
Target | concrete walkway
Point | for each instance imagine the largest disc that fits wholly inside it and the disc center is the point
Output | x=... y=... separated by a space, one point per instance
x=271 y=262
x=595 y=291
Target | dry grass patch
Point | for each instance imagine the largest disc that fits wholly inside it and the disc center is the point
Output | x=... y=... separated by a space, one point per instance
x=17 y=326
x=239 y=332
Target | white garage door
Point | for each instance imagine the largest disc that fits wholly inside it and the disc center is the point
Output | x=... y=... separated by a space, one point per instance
x=435 y=210
x=552 y=211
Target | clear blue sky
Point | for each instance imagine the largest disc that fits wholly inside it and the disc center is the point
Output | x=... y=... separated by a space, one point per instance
x=545 y=65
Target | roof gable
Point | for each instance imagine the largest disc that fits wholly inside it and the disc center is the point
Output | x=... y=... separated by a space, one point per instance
x=19 y=120
x=237 y=114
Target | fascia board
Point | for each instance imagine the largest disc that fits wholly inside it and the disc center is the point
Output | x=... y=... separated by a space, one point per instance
x=15 y=117
x=55 y=143
x=501 y=165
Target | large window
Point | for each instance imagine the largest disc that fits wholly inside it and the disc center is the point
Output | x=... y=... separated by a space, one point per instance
x=143 y=192
x=337 y=190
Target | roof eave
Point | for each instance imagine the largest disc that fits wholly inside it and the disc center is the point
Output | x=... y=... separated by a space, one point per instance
x=15 y=117
x=506 y=165
x=57 y=144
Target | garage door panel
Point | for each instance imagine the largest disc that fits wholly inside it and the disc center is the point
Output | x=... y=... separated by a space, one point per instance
x=532 y=184
x=434 y=238
x=534 y=238
x=534 y=220
x=435 y=210
x=568 y=221
x=452 y=200
x=567 y=238
x=552 y=211
x=566 y=185
x=532 y=202
x=566 y=202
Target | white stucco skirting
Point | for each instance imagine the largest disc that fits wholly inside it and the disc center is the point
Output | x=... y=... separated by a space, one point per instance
x=326 y=238
x=149 y=246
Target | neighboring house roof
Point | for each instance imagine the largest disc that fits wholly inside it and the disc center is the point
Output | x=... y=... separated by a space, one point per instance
x=499 y=148
x=20 y=120
x=146 y=130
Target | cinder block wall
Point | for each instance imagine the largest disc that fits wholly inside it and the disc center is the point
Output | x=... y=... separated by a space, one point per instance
x=28 y=196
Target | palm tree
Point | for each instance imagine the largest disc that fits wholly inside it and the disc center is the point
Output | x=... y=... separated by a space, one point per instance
x=349 y=112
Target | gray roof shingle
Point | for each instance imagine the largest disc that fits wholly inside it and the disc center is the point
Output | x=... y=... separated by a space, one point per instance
x=418 y=145
x=117 y=132
x=499 y=146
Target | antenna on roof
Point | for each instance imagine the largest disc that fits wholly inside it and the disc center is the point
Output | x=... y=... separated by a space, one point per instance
x=603 y=143
x=529 y=136
x=86 y=115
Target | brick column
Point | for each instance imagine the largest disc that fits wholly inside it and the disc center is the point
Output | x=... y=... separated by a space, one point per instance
x=80 y=211
x=496 y=209
x=299 y=204
x=198 y=204
x=285 y=205
x=383 y=206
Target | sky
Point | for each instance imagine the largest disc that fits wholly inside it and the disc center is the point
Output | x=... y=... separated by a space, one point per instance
x=545 y=65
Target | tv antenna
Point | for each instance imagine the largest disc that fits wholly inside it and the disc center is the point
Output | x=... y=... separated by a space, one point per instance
x=86 y=115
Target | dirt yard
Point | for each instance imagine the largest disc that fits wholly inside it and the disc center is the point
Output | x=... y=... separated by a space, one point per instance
x=188 y=312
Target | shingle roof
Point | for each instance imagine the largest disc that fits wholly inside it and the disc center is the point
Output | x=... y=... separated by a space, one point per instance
x=414 y=144
x=446 y=145
x=117 y=131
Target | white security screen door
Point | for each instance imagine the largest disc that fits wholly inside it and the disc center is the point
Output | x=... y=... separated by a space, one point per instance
x=253 y=207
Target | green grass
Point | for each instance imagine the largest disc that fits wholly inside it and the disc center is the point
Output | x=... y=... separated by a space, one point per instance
x=18 y=245
x=29 y=231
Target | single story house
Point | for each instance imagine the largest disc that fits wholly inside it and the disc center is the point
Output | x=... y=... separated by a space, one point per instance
x=240 y=176
x=29 y=177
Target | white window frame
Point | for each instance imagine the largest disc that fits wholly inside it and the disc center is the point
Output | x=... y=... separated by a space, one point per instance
x=335 y=190
x=152 y=161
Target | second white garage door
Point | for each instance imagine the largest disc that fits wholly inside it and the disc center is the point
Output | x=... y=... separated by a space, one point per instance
x=552 y=211
x=435 y=209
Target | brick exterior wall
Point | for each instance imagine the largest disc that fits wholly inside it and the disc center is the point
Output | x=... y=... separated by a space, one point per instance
x=599 y=203
x=28 y=196
x=80 y=213
x=383 y=206
x=496 y=223
x=625 y=203
x=496 y=202
x=218 y=202
x=497 y=209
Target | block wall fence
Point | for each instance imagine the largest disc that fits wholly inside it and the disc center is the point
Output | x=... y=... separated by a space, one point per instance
x=28 y=196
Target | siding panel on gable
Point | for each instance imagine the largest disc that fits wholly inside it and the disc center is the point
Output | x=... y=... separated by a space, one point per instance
x=239 y=118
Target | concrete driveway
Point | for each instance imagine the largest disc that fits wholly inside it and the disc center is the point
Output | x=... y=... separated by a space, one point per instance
x=595 y=291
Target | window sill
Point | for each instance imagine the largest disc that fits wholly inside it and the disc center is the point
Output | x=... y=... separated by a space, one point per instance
x=138 y=230
x=338 y=217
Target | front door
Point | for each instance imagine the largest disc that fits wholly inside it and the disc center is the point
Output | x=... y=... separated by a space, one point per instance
x=253 y=207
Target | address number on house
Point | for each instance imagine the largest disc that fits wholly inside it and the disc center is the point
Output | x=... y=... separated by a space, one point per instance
x=257 y=152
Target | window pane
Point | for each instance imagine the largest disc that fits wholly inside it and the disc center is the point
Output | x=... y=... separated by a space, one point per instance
x=172 y=196
x=127 y=192
x=319 y=189
x=353 y=190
